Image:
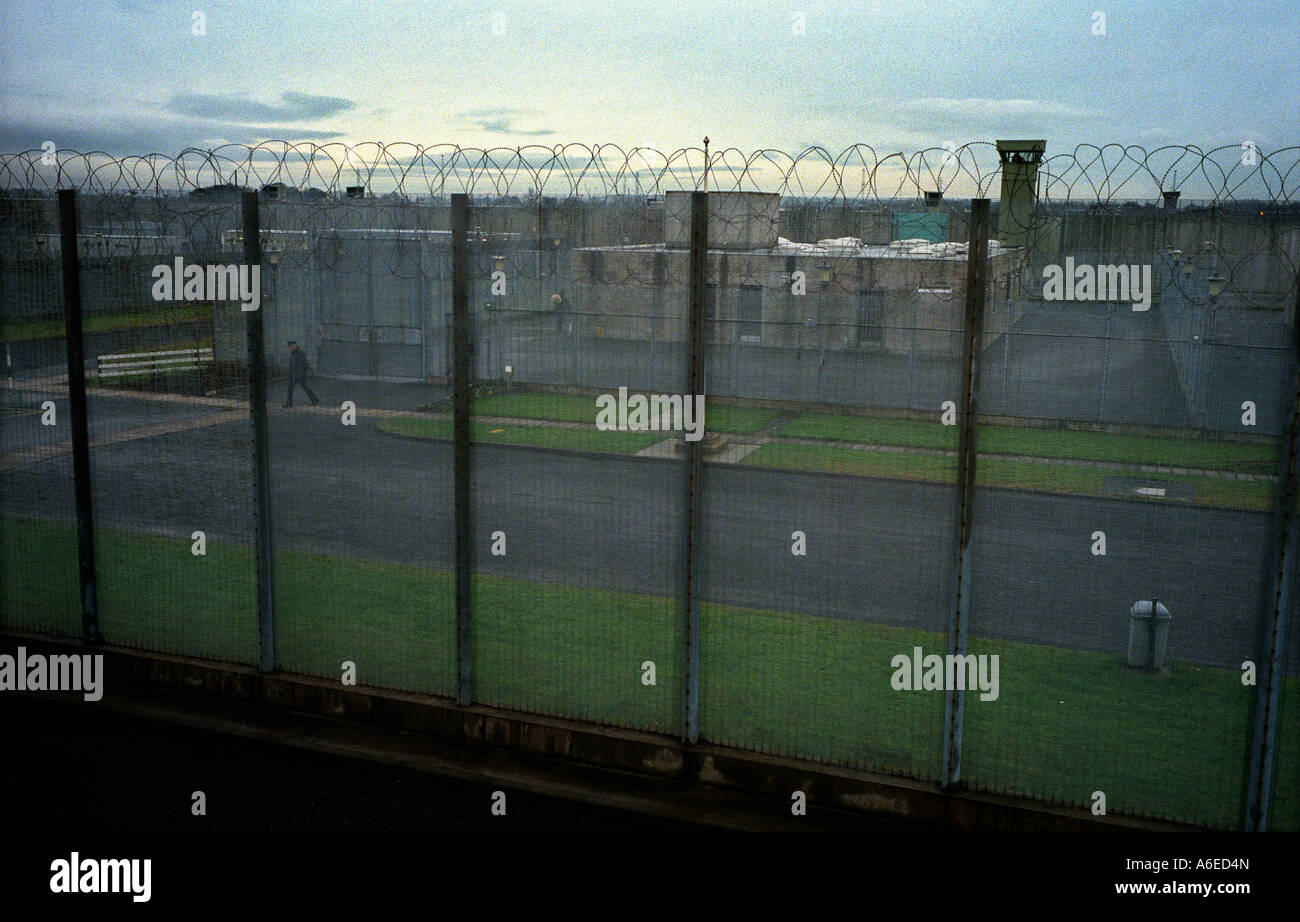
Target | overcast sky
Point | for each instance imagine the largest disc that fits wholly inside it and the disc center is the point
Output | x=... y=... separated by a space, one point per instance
x=131 y=77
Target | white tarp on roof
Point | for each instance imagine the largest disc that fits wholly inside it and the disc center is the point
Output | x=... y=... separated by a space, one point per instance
x=922 y=247
x=915 y=247
x=912 y=248
x=791 y=248
x=841 y=246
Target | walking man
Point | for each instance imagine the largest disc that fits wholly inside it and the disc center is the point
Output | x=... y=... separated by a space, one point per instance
x=560 y=304
x=298 y=374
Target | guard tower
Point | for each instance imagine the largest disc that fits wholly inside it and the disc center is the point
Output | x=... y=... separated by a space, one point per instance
x=1020 y=160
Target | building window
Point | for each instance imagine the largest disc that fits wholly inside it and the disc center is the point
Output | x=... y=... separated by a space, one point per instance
x=749 y=314
x=871 y=317
x=710 y=312
x=596 y=265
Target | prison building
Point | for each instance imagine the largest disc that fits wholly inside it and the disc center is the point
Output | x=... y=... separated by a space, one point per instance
x=839 y=293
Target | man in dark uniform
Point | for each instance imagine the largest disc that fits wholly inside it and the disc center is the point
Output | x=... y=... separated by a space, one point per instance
x=298 y=374
x=560 y=305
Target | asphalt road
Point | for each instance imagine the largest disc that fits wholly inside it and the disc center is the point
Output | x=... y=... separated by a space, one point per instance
x=106 y=416
x=878 y=550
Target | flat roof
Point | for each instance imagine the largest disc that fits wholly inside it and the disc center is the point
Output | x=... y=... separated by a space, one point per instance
x=1022 y=146
x=840 y=247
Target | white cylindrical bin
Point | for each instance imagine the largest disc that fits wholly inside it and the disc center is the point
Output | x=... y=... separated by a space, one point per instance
x=1148 y=637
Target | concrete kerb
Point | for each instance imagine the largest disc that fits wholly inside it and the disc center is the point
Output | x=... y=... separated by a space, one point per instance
x=823 y=475
x=759 y=440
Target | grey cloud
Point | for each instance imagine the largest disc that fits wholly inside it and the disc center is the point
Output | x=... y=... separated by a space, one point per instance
x=500 y=120
x=293 y=107
x=169 y=139
x=500 y=111
x=503 y=126
x=974 y=107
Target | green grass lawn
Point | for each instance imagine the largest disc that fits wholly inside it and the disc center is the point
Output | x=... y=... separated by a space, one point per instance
x=1066 y=723
x=1024 y=475
x=566 y=408
x=872 y=430
x=1241 y=457
x=13 y=330
x=736 y=420
x=578 y=409
x=622 y=443
x=898 y=465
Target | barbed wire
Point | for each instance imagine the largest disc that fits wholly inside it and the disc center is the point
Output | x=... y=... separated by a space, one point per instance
x=1088 y=173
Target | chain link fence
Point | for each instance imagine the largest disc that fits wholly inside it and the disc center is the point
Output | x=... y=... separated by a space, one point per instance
x=910 y=454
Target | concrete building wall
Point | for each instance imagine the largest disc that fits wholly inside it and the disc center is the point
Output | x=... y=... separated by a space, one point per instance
x=888 y=303
x=737 y=220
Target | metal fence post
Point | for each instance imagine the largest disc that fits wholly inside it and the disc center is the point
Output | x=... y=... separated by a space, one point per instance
x=261 y=444
x=1006 y=356
x=462 y=367
x=959 y=616
x=1282 y=578
x=1105 y=376
x=911 y=357
x=694 y=470
x=78 y=419
x=660 y=271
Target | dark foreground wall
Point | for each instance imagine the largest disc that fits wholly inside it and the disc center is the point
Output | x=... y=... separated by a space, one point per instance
x=652 y=774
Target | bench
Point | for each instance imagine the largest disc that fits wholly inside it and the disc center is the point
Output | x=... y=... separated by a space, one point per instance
x=134 y=363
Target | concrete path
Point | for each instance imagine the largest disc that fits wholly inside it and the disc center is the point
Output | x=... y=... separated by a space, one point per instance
x=738 y=446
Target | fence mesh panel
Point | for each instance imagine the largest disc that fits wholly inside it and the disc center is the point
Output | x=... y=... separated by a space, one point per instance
x=829 y=504
x=1284 y=811
x=38 y=542
x=1133 y=461
x=577 y=532
x=362 y=510
x=171 y=465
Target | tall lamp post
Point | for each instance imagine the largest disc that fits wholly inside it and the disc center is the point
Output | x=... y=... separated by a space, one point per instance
x=499 y=266
x=273 y=258
x=1214 y=287
x=1213 y=281
x=824 y=276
